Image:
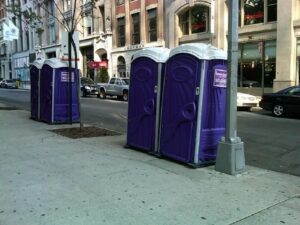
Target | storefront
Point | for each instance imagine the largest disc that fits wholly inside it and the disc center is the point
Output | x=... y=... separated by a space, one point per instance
x=257 y=66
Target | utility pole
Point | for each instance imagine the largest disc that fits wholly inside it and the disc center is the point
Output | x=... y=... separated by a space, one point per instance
x=231 y=156
x=70 y=109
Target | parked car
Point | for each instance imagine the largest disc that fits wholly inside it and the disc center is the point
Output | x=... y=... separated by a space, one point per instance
x=282 y=102
x=8 y=84
x=88 y=87
x=246 y=101
x=115 y=87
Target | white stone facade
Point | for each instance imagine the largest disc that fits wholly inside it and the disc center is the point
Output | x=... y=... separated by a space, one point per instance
x=284 y=32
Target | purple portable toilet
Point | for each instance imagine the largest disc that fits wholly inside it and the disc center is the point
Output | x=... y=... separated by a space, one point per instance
x=54 y=92
x=35 y=69
x=194 y=104
x=147 y=68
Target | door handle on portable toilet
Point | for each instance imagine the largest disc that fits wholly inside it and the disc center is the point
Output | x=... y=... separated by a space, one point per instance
x=155 y=89
x=197 y=90
x=149 y=107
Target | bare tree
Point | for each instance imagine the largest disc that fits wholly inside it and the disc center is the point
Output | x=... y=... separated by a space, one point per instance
x=67 y=13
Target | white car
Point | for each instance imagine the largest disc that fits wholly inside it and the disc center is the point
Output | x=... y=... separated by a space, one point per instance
x=246 y=101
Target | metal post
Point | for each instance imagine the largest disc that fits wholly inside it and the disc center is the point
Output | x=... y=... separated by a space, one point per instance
x=70 y=111
x=263 y=68
x=231 y=156
x=199 y=92
x=158 y=107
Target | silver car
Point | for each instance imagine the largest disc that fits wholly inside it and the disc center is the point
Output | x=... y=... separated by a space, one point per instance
x=8 y=84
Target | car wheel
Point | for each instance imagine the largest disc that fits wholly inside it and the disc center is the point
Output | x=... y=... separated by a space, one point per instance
x=278 y=110
x=102 y=94
x=125 y=96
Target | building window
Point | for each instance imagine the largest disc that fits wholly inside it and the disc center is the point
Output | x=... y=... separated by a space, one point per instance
x=257 y=64
x=85 y=1
x=67 y=5
x=194 y=20
x=51 y=8
x=87 y=23
x=68 y=24
x=20 y=35
x=121 y=66
x=184 y=23
x=298 y=62
x=135 y=28
x=27 y=40
x=199 y=19
x=121 y=32
x=152 y=25
x=257 y=11
x=51 y=55
x=102 y=19
x=272 y=10
x=52 y=34
x=119 y=2
x=253 y=11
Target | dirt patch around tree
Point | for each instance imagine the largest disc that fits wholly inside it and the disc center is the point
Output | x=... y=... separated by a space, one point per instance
x=85 y=132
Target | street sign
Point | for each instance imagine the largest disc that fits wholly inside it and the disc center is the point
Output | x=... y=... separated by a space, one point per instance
x=93 y=64
x=97 y=64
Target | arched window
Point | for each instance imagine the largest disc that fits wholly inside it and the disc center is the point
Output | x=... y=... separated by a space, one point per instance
x=121 y=66
x=194 y=20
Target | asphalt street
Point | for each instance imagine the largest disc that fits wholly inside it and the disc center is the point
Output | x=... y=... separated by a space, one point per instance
x=270 y=143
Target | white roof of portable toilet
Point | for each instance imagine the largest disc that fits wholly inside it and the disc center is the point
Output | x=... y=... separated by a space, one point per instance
x=158 y=54
x=55 y=63
x=200 y=50
x=38 y=63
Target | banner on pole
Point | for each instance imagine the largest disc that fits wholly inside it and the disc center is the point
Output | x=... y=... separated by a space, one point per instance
x=64 y=46
x=10 y=31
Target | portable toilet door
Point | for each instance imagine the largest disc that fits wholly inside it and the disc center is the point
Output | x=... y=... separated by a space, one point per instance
x=35 y=69
x=55 y=92
x=62 y=107
x=184 y=104
x=145 y=98
x=46 y=92
x=212 y=123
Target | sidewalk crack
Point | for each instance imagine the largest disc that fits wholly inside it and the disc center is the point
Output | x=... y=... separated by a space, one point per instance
x=265 y=209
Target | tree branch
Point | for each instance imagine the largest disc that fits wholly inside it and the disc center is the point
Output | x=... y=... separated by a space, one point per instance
x=44 y=7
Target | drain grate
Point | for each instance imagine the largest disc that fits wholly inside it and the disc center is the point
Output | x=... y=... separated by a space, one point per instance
x=85 y=132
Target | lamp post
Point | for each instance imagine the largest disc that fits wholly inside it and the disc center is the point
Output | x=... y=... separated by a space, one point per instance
x=231 y=156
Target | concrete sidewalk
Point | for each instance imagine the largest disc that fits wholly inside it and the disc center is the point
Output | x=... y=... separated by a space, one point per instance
x=47 y=179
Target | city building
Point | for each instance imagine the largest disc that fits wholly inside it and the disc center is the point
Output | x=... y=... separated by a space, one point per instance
x=111 y=31
x=136 y=24
x=93 y=23
x=42 y=35
x=4 y=54
x=269 y=37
